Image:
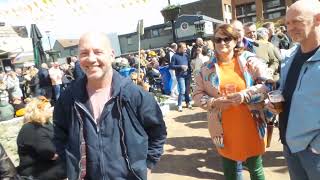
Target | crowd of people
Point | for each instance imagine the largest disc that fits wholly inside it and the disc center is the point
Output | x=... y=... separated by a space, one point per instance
x=104 y=126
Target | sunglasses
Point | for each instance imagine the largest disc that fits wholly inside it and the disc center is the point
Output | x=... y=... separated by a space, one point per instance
x=226 y=40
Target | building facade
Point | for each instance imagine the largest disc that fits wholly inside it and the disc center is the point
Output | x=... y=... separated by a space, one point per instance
x=258 y=10
x=217 y=9
x=187 y=28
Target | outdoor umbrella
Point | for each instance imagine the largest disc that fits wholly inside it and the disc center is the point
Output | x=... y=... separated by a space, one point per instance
x=38 y=52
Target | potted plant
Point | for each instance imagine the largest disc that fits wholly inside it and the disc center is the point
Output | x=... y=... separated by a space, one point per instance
x=171 y=12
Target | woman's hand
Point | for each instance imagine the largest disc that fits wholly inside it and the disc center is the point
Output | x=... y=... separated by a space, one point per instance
x=236 y=98
x=220 y=103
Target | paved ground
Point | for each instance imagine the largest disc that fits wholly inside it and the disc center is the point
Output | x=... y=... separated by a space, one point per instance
x=189 y=154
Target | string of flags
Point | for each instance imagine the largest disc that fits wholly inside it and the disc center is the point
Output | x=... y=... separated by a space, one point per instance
x=46 y=10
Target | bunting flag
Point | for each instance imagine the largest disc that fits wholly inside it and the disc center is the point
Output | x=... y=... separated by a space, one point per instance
x=41 y=10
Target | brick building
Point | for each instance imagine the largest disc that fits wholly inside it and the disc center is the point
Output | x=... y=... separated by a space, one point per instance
x=217 y=9
x=256 y=10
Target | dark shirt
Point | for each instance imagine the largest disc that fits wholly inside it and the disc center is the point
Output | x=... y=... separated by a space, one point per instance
x=289 y=88
x=44 y=78
x=177 y=60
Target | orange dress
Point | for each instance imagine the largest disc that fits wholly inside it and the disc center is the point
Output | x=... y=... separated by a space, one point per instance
x=241 y=138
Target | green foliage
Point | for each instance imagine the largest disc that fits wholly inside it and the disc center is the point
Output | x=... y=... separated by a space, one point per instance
x=171 y=6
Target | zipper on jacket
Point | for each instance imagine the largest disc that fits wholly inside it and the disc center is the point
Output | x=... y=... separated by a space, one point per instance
x=304 y=72
x=122 y=140
x=80 y=139
x=98 y=125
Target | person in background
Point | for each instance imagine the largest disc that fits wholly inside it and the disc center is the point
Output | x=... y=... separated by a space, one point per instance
x=200 y=59
x=6 y=110
x=181 y=64
x=22 y=81
x=13 y=85
x=199 y=43
x=227 y=87
x=45 y=81
x=250 y=30
x=56 y=79
x=243 y=42
x=170 y=52
x=273 y=38
x=37 y=153
x=268 y=53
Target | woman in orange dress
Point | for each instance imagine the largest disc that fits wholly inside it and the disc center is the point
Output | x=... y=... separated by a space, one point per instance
x=227 y=87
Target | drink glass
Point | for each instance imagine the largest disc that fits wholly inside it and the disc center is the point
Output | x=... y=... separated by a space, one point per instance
x=230 y=88
x=276 y=99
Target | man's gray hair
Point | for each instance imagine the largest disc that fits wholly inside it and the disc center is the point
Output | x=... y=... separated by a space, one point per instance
x=262 y=33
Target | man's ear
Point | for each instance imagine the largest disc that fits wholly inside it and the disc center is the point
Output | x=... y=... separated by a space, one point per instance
x=317 y=19
x=113 y=54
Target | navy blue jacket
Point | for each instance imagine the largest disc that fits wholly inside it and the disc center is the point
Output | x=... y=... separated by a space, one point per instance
x=128 y=138
x=176 y=63
x=44 y=78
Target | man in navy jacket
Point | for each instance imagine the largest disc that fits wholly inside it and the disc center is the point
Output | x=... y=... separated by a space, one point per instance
x=105 y=126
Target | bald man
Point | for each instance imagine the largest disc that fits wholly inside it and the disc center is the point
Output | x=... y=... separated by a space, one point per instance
x=105 y=126
x=300 y=85
x=243 y=41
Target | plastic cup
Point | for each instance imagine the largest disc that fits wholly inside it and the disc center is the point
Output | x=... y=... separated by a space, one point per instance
x=276 y=98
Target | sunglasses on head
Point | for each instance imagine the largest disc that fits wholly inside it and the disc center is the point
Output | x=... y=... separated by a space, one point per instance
x=225 y=40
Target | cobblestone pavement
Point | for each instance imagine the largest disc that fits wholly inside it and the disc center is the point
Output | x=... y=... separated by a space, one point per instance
x=189 y=154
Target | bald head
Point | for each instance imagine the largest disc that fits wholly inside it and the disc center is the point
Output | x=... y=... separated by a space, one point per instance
x=95 y=37
x=237 y=25
x=310 y=7
x=303 y=23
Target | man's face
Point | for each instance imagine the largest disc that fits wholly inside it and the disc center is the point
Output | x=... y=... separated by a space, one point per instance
x=271 y=30
x=199 y=42
x=182 y=49
x=251 y=32
x=95 y=56
x=299 y=25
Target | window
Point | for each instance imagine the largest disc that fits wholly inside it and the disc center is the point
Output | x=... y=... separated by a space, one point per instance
x=273 y=15
x=164 y=32
x=240 y=10
x=272 y=4
x=245 y=9
x=227 y=8
x=130 y=40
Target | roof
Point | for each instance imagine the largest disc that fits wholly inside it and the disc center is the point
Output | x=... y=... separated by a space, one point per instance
x=68 y=42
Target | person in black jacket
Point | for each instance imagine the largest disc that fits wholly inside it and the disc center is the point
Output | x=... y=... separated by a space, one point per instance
x=7 y=169
x=105 y=126
x=37 y=153
x=45 y=81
